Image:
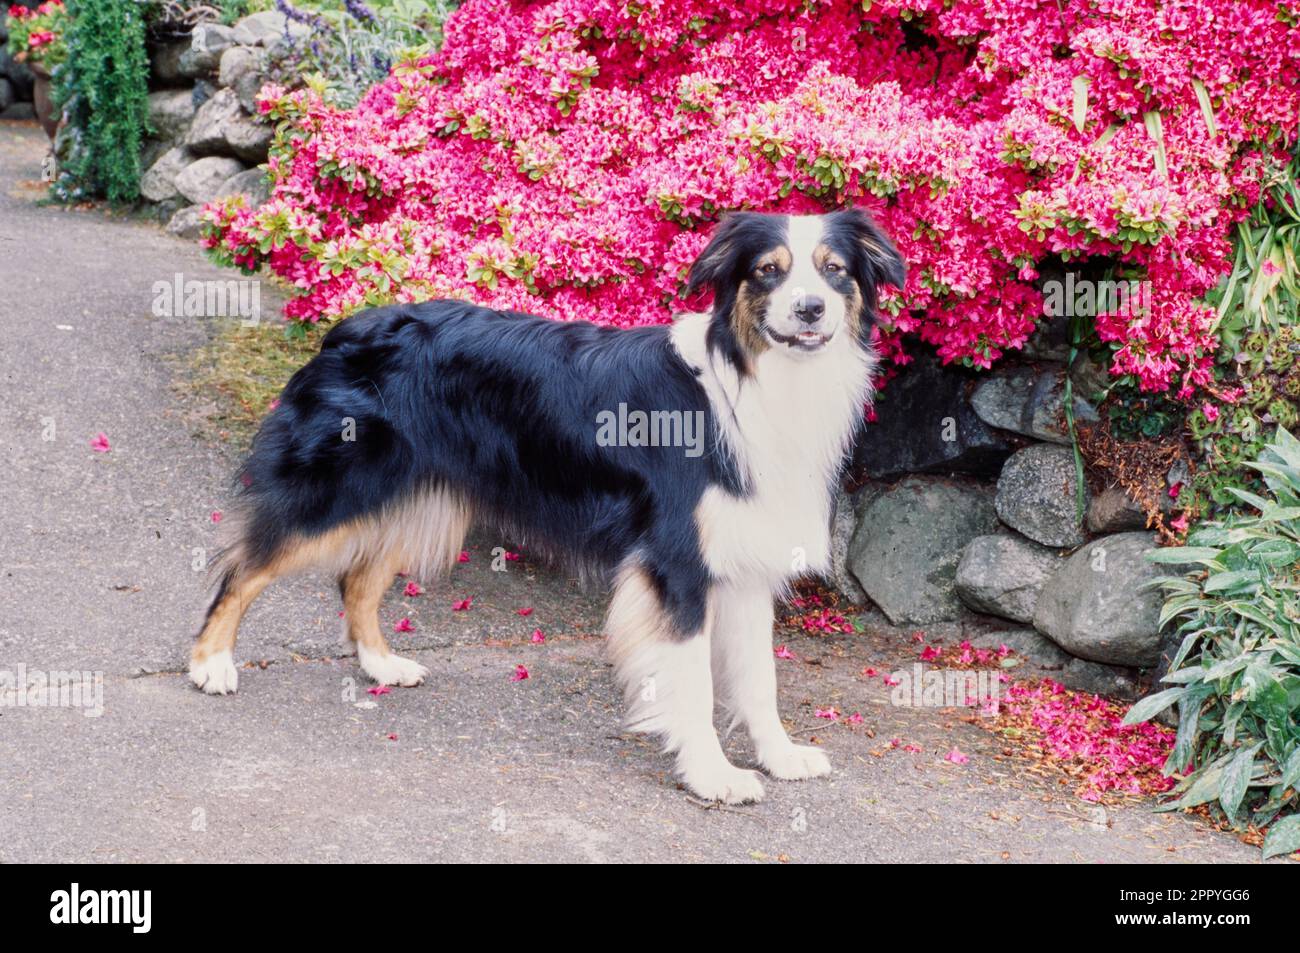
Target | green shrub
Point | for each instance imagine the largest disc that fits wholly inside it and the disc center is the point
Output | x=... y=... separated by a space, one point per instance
x=103 y=90
x=1236 y=674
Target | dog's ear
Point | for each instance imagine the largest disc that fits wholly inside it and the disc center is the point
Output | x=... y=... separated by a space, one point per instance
x=720 y=259
x=878 y=261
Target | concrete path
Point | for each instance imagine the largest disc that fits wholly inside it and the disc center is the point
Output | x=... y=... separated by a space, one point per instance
x=96 y=574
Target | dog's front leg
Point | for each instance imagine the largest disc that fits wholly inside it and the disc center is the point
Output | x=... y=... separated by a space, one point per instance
x=669 y=689
x=744 y=678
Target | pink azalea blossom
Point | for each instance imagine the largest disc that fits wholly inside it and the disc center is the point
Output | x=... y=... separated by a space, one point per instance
x=830 y=714
x=379 y=690
x=461 y=605
x=413 y=589
x=520 y=673
x=403 y=625
x=783 y=651
x=100 y=443
x=538 y=637
x=956 y=757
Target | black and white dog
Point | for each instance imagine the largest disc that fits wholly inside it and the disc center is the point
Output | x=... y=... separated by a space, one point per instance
x=415 y=420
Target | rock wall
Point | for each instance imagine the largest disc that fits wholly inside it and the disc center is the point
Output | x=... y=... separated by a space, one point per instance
x=209 y=141
x=966 y=509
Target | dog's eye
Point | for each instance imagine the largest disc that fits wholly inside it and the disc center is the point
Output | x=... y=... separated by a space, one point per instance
x=768 y=269
x=833 y=268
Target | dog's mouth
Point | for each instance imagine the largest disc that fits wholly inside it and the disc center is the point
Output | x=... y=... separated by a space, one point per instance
x=802 y=341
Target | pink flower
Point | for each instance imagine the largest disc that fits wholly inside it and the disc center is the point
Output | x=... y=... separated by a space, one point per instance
x=413 y=589
x=521 y=673
x=379 y=690
x=1179 y=523
x=99 y=443
x=783 y=651
x=1175 y=490
x=462 y=604
x=890 y=681
x=870 y=672
x=855 y=718
x=956 y=757
x=525 y=612
x=1211 y=411
x=463 y=557
x=930 y=653
x=403 y=625
x=538 y=637
x=512 y=557
x=830 y=714
x=393 y=736
x=216 y=516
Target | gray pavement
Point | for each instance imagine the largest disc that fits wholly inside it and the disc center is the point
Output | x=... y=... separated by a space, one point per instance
x=96 y=554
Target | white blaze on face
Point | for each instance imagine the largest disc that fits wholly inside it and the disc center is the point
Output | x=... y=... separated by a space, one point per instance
x=805 y=281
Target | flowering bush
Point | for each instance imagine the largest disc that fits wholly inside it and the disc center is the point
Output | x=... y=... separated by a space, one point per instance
x=568 y=158
x=36 y=36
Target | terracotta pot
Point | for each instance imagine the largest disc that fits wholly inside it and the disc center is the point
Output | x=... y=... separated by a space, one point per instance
x=46 y=113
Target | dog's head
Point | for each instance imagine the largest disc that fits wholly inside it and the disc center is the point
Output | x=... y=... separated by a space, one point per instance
x=793 y=283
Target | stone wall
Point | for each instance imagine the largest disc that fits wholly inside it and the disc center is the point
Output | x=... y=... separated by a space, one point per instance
x=966 y=510
x=209 y=140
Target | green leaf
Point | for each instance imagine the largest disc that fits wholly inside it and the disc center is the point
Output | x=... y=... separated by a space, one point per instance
x=1236 y=778
x=1177 y=555
x=1152 y=705
x=1207 y=110
x=1080 y=86
x=1283 y=837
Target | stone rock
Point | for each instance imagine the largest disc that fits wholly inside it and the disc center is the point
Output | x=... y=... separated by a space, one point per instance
x=1002 y=574
x=1030 y=402
x=237 y=62
x=1036 y=495
x=1114 y=511
x=170 y=113
x=1096 y=607
x=1050 y=340
x=207 y=135
x=20 y=112
x=8 y=95
x=252 y=184
x=185 y=222
x=260 y=29
x=201 y=181
x=221 y=127
x=207 y=43
x=908 y=542
x=844 y=522
x=158 y=184
x=925 y=425
x=247 y=87
x=249 y=139
x=1110 y=680
x=1090 y=378
x=165 y=61
x=1032 y=646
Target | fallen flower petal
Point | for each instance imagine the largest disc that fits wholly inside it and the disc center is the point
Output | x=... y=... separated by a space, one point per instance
x=403 y=625
x=463 y=557
x=100 y=443
x=538 y=637
x=216 y=516
x=783 y=651
x=521 y=673
x=830 y=714
x=462 y=605
x=526 y=611
x=412 y=589
x=379 y=690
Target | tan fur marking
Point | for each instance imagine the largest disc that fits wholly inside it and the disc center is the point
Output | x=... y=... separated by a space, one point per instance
x=363 y=591
x=781 y=257
x=747 y=319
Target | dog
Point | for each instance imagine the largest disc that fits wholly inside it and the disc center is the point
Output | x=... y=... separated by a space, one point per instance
x=416 y=419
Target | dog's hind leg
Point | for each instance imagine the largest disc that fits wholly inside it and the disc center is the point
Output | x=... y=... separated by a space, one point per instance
x=669 y=689
x=363 y=587
x=212 y=663
x=744 y=677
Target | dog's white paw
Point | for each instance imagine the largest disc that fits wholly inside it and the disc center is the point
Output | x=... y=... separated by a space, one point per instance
x=792 y=762
x=723 y=782
x=216 y=674
x=391 y=669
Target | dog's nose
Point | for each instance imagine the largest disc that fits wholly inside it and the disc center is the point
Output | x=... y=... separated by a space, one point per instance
x=809 y=309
